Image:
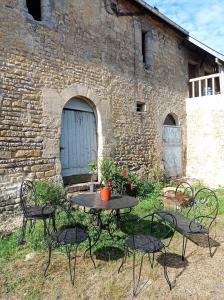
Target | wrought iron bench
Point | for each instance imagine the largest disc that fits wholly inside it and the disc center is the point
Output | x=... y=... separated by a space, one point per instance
x=196 y=216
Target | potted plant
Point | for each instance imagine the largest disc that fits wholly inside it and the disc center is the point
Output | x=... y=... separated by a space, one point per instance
x=106 y=168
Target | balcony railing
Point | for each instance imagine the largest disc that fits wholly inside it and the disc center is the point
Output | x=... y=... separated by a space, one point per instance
x=206 y=86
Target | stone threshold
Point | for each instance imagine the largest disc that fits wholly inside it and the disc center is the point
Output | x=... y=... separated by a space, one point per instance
x=82 y=187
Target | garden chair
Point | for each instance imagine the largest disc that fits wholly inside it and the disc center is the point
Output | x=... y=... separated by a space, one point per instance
x=69 y=235
x=31 y=210
x=150 y=245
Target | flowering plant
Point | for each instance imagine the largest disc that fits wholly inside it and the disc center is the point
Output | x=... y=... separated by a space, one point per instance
x=107 y=169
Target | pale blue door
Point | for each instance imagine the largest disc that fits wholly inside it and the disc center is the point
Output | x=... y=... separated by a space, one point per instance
x=78 y=138
x=172 y=156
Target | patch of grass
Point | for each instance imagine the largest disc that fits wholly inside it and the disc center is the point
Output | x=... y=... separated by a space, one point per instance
x=32 y=294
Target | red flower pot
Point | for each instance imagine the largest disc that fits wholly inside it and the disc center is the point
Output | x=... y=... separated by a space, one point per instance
x=105 y=193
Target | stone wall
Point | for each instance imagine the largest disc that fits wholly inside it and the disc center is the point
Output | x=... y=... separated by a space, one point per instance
x=205 y=148
x=82 y=50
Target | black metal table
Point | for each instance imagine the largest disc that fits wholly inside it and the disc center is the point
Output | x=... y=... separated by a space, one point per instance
x=96 y=206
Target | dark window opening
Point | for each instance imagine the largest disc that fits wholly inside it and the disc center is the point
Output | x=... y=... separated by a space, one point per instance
x=192 y=71
x=144 y=46
x=207 y=73
x=140 y=107
x=170 y=121
x=34 y=9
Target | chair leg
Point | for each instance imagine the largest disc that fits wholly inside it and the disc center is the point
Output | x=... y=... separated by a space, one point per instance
x=184 y=247
x=135 y=286
x=95 y=242
x=45 y=228
x=165 y=270
x=49 y=259
x=23 y=232
x=151 y=225
x=72 y=274
x=90 y=252
x=31 y=226
x=54 y=224
x=153 y=259
x=123 y=260
x=210 y=247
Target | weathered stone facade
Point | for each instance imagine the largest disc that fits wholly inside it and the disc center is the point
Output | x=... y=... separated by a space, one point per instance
x=80 y=49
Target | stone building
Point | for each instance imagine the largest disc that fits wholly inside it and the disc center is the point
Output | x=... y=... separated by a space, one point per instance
x=85 y=79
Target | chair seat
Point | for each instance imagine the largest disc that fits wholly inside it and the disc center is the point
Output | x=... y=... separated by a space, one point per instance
x=145 y=243
x=38 y=212
x=73 y=235
x=183 y=224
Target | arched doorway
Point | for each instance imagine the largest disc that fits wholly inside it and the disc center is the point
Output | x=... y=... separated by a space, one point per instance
x=172 y=144
x=78 y=145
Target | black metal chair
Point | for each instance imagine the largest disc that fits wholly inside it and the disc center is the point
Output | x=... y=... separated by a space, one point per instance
x=69 y=235
x=31 y=210
x=149 y=244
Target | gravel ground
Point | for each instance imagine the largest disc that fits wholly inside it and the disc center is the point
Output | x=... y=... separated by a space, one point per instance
x=10 y=225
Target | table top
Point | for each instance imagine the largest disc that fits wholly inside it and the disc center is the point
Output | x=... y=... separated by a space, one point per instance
x=93 y=200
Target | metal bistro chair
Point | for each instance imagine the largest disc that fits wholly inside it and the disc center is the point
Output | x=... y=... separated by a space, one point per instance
x=69 y=235
x=149 y=244
x=31 y=210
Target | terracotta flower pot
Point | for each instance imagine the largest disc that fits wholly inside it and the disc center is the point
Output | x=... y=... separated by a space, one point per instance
x=105 y=193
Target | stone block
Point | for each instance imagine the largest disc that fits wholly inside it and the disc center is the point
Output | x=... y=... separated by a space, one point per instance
x=2 y=171
x=50 y=173
x=5 y=154
x=41 y=168
x=40 y=175
x=27 y=153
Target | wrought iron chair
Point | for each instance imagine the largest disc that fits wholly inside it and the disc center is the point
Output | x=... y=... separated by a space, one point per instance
x=31 y=210
x=203 y=214
x=149 y=244
x=69 y=235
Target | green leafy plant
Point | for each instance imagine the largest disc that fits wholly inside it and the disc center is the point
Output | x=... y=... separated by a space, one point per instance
x=107 y=170
x=48 y=192
x=156 y=173
x=92 y=167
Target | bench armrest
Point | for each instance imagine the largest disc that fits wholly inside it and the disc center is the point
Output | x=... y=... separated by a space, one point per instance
x=193 y=221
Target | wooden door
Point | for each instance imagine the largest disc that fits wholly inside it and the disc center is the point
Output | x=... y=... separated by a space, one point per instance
x=172 y=156
x=78 y=141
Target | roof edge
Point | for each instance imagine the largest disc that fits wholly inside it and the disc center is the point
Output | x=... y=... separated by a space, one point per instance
x=206 y=48
x=162 y=16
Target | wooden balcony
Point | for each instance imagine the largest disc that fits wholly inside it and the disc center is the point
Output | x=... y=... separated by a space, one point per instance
x=206 y=86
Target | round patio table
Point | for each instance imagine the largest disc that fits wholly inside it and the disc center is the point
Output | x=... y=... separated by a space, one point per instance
x=96 y=206
x=93 y=200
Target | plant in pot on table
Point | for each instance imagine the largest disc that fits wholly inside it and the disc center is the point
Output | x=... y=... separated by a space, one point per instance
x=107 y=168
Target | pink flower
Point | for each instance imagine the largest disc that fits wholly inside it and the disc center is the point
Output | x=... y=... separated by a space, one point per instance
x=131 y=179
x=132 y=187
x=123 y=173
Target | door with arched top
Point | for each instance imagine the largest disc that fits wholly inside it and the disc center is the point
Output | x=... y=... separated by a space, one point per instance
x=172 y=147
x=78 y=141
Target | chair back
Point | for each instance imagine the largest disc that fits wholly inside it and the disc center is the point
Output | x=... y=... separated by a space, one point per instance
x=27 y=195
x=169 y=223
x=184 y=196
x=205 y=208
